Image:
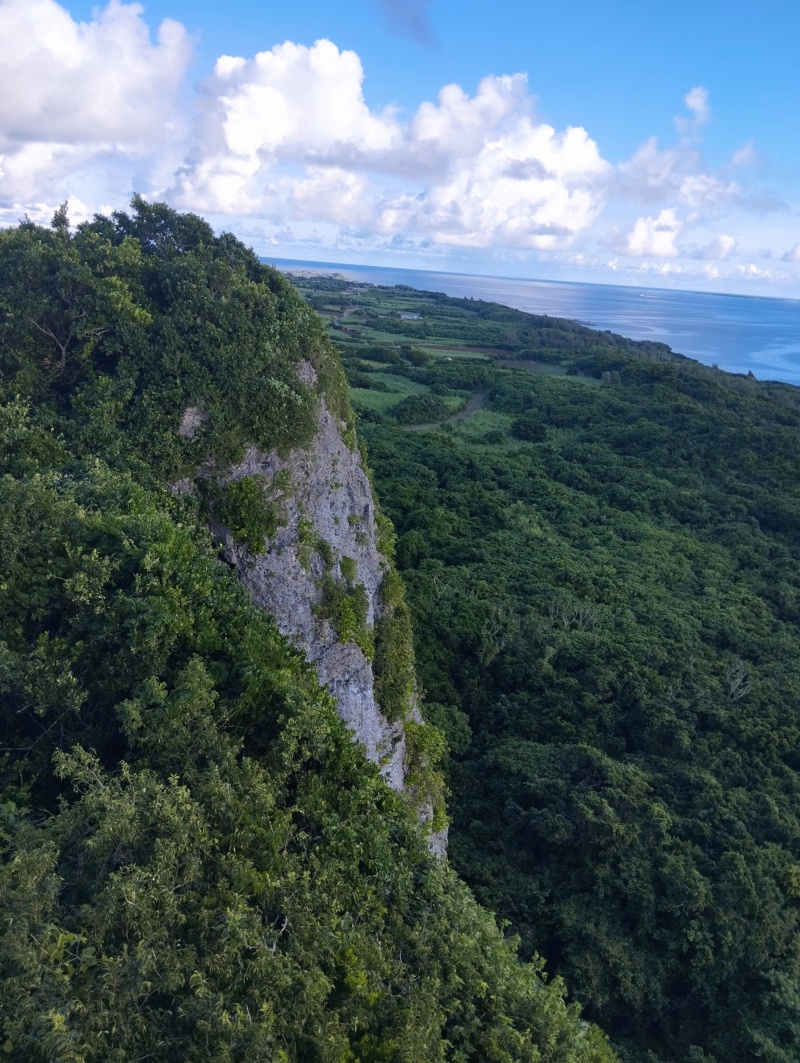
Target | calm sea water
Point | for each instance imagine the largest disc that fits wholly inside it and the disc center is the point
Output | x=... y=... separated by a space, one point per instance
x=737 y=332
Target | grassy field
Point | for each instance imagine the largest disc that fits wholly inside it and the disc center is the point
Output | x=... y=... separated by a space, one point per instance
x=397 y=388
x=543 y=369
x=449 y=353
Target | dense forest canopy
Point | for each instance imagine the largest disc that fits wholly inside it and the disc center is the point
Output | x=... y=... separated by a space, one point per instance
x=196 y=861
x=601 y=544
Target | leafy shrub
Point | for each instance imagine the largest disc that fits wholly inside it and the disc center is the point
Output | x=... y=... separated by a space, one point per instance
x=494 y=436
x=348 y=569
x=242 y=506
x=419 y=409
x=425 y=746
x=529 y=428
x=395 y=679
x=345 y=605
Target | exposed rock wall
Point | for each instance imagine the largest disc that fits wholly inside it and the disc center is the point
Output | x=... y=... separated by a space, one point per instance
x=325 y=537
x=322 y=496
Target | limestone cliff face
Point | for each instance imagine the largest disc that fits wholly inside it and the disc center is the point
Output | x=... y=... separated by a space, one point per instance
x=326 y=514
x=320 y=573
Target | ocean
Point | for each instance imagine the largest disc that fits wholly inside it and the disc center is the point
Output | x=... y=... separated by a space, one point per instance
x=739 y=333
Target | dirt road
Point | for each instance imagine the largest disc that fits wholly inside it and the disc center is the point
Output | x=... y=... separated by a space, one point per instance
x=472 y=406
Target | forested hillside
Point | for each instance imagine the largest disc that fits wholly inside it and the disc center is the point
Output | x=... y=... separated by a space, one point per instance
x=197 y=862
x=601 y=543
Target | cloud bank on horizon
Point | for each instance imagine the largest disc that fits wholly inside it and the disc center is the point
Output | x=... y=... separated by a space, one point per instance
x=283 y=148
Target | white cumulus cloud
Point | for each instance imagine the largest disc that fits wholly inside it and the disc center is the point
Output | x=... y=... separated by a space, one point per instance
x=283 y=145
x=292 y=104
x=332 y=193
x=290 y=130
x=753 y=272
x=718 y=249
x=696 y=102
x=653 y=174
x=746 y=155
x=663 y=269
x=77 y=94
x=654 y=237
x=532 y=188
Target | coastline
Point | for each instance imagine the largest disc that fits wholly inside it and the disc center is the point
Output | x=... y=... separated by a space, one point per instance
x=738 y=333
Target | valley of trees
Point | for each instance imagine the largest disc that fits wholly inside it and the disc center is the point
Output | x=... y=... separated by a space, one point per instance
x=603 y=566
x=197 y=864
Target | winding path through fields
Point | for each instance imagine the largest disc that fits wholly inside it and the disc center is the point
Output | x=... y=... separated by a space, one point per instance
x=472 y=407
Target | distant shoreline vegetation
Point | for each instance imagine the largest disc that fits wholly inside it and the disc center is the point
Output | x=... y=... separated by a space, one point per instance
x=741 y=333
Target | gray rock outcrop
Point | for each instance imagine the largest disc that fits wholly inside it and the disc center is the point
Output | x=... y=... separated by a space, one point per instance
x=324 y=497
x=325 y=534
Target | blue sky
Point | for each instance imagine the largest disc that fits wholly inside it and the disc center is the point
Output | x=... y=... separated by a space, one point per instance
x=624 y=142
